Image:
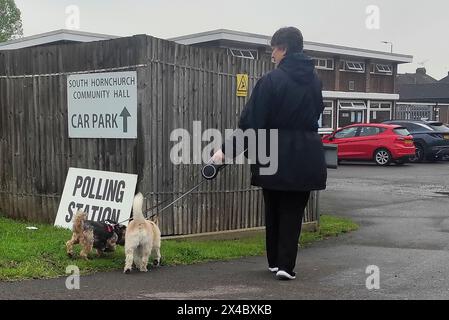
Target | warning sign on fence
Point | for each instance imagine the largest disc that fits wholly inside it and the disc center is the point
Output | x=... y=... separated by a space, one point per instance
x=102 y=105
x=242 y=85
x=101 y=194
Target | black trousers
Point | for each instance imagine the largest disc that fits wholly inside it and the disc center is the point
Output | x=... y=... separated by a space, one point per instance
x=284 y=211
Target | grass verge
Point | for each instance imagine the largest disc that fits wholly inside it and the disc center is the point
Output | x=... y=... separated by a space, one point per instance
x=36 y=254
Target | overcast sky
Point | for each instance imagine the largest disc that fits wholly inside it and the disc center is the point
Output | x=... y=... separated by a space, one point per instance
x=418 y=28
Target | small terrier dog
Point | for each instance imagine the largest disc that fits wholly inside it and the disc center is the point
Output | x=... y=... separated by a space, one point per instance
x=143 y=238
x=103 y=236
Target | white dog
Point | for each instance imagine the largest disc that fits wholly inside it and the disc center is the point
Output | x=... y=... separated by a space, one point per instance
x=142 y=238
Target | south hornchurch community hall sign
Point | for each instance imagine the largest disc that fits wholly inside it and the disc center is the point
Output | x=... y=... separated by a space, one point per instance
x=102 y=105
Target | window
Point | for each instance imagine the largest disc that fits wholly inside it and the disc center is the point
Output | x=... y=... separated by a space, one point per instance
x=344 y=105
x=438 y=126
x=346 y=133
x=327 y=118
x=415 y=127
x=370 y=131
x=352 y=66
x=401 y=131
x=379 y=105
x=351 y=112
x=244 y=53
x=348 y=116
x=424 y=127
x=351 y=85
x=359 y=104
x=383 y=68
x=380 y=112
x=352 y=105
x=323 y=64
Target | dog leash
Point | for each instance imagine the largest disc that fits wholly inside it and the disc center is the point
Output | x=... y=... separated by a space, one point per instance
x=209 y=172
x=176 y=200
x=151 y=209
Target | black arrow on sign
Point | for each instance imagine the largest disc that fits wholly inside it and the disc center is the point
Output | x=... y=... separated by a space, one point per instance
x=125 y=114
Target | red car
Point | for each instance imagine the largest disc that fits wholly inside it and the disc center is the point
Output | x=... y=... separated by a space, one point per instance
x=383 y=143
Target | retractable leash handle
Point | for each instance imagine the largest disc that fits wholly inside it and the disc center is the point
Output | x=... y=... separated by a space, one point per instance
x=210 y=170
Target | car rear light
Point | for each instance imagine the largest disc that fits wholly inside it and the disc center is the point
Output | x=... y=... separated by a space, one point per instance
x=405 y=139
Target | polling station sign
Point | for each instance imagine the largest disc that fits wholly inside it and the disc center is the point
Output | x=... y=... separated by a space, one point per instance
x=102 y=105
x=101 y=194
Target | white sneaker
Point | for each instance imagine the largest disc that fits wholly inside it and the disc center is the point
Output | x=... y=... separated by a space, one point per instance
x=283 y=275
x=275 y=269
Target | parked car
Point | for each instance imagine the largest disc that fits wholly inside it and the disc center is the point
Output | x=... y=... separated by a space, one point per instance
x=442 y=127
x=431 y=139
x=438 y=126
x=381 y=143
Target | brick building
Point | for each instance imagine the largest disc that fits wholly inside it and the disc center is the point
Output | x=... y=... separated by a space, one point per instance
x=358 y=85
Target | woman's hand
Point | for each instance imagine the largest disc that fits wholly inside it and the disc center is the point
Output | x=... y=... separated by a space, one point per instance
x=218 y=157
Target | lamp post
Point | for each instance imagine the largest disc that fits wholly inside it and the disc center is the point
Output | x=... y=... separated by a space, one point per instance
x=391 y=45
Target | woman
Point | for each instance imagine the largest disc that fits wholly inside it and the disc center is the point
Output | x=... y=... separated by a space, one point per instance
x=288 y=99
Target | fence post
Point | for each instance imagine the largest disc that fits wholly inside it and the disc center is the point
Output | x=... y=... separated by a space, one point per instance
x=317 y=209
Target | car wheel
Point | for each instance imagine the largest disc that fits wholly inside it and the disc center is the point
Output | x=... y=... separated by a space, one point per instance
x=419 y=155
x=382 y=157
x=432 y=158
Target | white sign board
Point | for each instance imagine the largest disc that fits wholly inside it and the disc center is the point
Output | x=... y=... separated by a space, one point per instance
x=101 y=194
x=102 y=105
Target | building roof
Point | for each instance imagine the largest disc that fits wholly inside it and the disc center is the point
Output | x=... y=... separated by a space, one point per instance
x=445 y=79
x=62 y=35
x=359 y=95
x=420 y=77
x=263 y=40
x=428 y=92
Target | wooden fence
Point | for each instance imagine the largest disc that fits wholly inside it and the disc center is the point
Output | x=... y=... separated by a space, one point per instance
x=177 y=85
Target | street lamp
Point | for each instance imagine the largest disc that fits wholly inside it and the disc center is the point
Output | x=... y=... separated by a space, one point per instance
x=391 y=45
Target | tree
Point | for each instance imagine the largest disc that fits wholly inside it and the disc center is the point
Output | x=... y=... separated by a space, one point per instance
x=10 y=21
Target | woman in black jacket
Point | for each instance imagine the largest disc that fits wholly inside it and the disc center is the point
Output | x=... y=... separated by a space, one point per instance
x=289 y=100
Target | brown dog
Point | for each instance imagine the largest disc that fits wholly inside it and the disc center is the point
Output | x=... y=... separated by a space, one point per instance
x=103 y=236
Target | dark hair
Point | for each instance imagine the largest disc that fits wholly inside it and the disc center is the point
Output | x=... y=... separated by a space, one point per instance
x=289 y=38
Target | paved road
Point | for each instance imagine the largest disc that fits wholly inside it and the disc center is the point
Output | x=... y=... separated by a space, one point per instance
x=403 y=214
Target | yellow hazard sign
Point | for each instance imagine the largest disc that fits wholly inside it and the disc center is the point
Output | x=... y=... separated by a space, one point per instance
x=242 y=85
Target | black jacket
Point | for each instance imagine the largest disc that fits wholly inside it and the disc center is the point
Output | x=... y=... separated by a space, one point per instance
x=289 y=99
